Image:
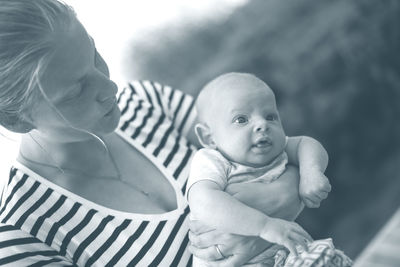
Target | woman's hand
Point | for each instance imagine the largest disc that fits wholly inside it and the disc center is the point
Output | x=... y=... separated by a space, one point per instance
x=236 y=250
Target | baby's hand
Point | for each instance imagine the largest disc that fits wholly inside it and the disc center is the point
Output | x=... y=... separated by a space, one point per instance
x=286 y=233
x=314 y=187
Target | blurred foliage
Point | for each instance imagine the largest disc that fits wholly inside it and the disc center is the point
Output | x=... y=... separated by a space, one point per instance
x=335 y=68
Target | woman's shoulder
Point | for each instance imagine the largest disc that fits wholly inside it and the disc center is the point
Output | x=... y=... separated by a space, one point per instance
x=156 y=94
x=149 y=110
x=151 y=91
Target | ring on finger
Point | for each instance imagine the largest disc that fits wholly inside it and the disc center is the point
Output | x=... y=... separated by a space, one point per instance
x=219 y=252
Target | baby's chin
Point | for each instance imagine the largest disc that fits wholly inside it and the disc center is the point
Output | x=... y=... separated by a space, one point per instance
x=260 y=161
x=257 y=164
x=255 y=160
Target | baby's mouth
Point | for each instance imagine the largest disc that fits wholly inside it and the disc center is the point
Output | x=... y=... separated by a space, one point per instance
x=262 y=142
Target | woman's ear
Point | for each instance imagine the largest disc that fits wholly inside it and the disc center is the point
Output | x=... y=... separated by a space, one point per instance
x=204 y=135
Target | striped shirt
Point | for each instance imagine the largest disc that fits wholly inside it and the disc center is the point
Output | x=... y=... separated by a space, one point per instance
x=44 y=224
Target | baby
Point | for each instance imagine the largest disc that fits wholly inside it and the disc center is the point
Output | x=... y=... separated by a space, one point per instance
x=244 y=142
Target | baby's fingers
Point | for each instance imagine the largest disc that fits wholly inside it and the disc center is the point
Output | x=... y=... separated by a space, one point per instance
x=306 y=236
x=300 y=234
x=291 y=246
x=298 y=241
x=311 y=202
x=300 y=238
x=327 y=187
x=321 y=195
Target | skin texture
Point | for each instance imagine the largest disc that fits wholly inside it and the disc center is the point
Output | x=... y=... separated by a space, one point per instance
x=76 y=85
x=287 y=185
x=239 y=118
x=286 y=206
x=78 y=98
x=241 y=121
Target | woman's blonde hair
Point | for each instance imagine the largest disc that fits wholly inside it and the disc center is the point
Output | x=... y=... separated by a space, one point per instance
x=26 y=44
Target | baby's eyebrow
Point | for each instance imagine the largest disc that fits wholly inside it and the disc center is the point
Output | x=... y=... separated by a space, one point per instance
x=236 y=111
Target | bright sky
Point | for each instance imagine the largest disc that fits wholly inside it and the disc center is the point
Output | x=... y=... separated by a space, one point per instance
x=113 y=24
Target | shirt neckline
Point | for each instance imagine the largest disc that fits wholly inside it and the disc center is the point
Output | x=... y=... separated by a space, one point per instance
x=173 y=214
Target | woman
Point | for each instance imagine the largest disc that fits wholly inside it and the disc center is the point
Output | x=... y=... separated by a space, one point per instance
x=94 y=183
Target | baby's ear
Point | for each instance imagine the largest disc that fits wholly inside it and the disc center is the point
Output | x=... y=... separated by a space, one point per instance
x=204 y=135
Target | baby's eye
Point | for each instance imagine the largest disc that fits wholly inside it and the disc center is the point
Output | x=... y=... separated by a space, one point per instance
x=241 y=119
x=271 y=117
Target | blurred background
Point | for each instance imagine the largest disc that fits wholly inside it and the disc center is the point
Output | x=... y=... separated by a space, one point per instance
x=334 y=66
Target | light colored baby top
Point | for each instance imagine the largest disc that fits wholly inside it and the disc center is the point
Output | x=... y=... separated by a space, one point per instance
x=210 y=164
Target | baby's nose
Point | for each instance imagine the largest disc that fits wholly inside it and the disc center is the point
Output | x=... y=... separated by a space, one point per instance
x=261 y=126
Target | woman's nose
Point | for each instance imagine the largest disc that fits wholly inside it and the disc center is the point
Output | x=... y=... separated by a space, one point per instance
x=108 y=88
x=114 y=87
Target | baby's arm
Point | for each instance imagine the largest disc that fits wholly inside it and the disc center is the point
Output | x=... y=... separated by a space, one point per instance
x=280 y=199
x=222 y=211
x=312 y=159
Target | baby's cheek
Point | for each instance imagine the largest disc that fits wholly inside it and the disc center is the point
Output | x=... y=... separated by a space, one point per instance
x=233 y=149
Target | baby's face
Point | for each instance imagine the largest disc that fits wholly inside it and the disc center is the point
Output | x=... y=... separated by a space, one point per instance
x=246 y=125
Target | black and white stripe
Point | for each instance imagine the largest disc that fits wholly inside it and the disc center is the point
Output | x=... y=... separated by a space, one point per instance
x=43 y=224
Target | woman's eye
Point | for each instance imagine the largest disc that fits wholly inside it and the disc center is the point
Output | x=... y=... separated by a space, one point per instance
x=74 y=93
x=240 y=120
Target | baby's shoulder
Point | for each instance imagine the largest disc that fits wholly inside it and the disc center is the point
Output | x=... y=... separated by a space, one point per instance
x=207 y=156
x=209 y=163
x=212 y=154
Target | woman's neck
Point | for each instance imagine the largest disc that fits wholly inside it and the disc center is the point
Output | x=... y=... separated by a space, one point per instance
x=85 y=155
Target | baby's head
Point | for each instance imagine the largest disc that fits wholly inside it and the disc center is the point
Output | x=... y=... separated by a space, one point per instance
x=239 y=118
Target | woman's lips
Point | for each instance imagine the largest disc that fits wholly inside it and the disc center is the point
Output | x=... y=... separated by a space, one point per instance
x=111 y=104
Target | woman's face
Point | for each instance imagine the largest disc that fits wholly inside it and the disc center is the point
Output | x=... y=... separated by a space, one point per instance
x=78 y=85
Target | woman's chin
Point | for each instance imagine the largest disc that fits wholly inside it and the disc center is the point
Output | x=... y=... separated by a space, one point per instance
x=109 y=122
x=116 y=116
